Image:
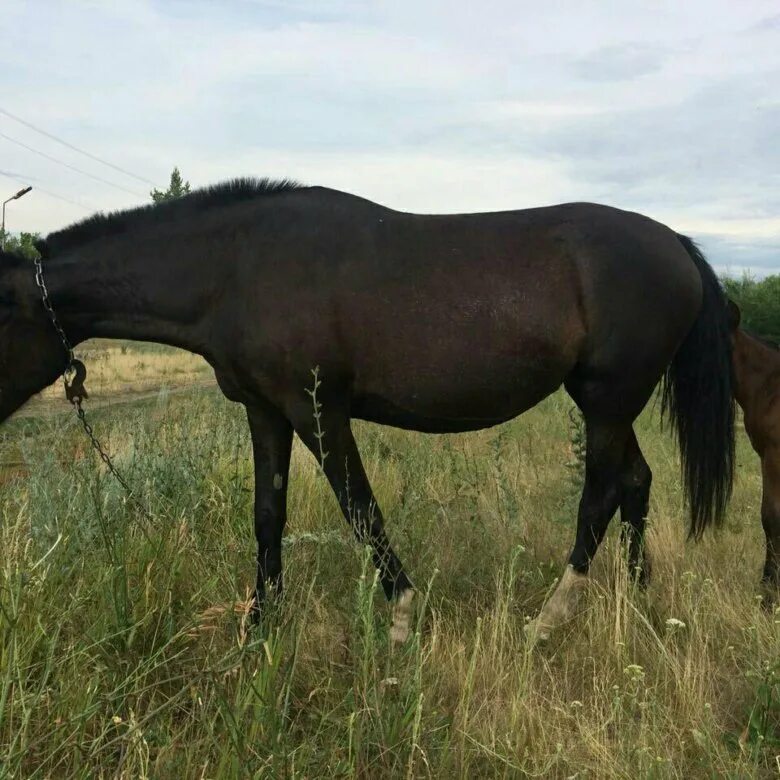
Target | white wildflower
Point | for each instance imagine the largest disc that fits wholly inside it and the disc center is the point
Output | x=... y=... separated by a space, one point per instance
x=635 y=672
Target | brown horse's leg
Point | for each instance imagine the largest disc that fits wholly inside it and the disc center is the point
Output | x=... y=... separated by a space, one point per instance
x=770 y=514
x=606 y=445
x=344 y=470
x=635 y=480
x=271 y=442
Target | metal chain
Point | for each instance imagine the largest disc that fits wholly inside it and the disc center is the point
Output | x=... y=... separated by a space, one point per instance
x=39 y=280
x=104 y=456
x=73 y=378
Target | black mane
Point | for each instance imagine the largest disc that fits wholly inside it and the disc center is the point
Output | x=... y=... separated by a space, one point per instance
x=222 y=194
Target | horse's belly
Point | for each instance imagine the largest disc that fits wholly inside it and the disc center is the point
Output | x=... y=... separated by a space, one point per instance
x=379 y=410
x=450 y=403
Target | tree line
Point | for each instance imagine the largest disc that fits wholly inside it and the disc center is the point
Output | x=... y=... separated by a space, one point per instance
x=759 y=300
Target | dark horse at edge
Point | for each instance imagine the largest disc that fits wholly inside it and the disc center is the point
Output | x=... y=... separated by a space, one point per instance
x=435 y=323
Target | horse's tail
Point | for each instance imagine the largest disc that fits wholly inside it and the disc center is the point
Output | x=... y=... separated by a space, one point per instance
x=698 y=399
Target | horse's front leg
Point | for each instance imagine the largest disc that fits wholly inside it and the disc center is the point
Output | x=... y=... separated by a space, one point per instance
x=271 y=442
x=344 y=469
x=770 y=517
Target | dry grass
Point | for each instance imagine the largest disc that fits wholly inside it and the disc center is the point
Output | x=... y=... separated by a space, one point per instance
x=125 y=652
x=122 y=368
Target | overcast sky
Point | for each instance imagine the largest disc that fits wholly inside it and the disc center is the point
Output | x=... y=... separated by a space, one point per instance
x=668 y=108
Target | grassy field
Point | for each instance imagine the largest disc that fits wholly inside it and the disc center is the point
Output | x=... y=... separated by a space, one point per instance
x=119 y=369
x=125 y=652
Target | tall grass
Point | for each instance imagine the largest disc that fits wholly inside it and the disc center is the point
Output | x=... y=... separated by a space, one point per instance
x=125 y=649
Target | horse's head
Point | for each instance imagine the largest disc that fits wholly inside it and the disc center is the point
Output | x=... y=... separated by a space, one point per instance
x=31 y=353
x=734 y=314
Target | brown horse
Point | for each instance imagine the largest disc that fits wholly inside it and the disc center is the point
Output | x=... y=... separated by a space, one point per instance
x=757 y=390
x=426 y=322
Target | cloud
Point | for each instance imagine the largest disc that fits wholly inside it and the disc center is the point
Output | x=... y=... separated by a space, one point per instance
x=620 y=63
x=710 y=155
x=767 y=24
x=671 y=110
x=712 y=152
x=16 y=175
x=736 y=257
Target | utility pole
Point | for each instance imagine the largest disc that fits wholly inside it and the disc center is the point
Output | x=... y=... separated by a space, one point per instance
x=13 y=197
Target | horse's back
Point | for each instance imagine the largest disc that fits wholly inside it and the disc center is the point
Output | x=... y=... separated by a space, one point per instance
x=446 y=322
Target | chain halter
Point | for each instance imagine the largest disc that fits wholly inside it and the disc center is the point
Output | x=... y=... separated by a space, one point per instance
x=73 y=377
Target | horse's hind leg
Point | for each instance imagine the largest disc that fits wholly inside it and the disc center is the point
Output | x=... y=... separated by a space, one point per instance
x=605 y=455
x=635 y=480
x=344 y=469
x=605 y=451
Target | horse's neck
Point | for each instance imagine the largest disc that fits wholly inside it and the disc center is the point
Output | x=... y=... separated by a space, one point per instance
x=129 y=296
x=753 y=362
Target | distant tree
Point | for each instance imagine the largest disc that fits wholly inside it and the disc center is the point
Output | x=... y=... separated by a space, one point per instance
x=759 y=302
x=22 y=243
x=176 y=188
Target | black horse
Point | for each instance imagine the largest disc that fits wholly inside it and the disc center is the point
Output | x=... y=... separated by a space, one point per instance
x=431 y=323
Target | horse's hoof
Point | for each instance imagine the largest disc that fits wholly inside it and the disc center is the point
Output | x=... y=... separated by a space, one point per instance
x=402 y=618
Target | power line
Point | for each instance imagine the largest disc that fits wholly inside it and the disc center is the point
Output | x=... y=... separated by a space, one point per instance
x=71 y=167
x=49 y=193
x=75 y=148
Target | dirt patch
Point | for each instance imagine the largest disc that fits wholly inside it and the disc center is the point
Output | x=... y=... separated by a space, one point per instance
x=50 y=404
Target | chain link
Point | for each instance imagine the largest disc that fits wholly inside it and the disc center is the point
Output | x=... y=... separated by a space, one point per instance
x=104 y=456
x=41 y=282
x=73 y=378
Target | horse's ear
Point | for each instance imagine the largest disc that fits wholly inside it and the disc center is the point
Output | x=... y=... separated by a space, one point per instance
x=43 y=247
x=734 y=314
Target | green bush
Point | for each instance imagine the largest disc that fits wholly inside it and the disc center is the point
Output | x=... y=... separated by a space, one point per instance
x=759 y=302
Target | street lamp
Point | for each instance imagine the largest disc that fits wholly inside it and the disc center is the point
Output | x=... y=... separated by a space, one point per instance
x=13 y=197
